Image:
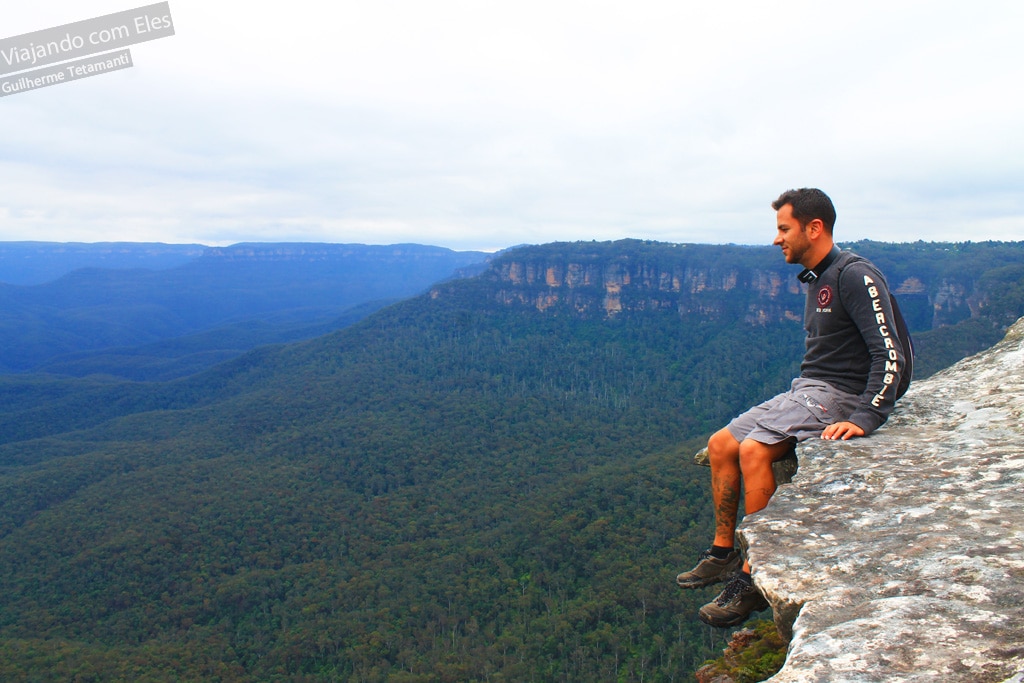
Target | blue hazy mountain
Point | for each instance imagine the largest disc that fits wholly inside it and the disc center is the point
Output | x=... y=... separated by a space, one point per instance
x=159 y=311
x=33 y=263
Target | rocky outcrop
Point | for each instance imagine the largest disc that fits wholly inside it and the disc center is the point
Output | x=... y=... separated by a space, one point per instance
x=611 y=279
x=730 y=282
x=900 y=557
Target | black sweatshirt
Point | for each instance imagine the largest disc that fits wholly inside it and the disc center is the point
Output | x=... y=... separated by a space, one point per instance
x=851 y=337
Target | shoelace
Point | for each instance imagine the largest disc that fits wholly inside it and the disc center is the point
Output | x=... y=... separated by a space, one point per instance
x=732 y=589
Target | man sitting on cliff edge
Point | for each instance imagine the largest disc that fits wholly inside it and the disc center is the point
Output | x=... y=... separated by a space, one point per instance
x=849 y=380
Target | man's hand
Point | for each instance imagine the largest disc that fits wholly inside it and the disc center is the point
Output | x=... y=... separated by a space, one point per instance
x=842 y=430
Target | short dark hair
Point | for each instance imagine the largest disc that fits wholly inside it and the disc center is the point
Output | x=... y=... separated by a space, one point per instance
x=808 y=203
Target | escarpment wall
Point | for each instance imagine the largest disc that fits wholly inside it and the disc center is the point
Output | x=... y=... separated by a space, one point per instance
x=609 y=286
x=900 y=557
x=728 y=282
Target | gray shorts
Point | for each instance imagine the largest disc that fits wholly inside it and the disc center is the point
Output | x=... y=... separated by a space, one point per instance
x=801 y=413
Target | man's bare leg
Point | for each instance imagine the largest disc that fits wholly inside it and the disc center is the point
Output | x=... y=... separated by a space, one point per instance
x=741 y=598
x=724 y=458
x=730 y=461
x=720 y=561
x=755 y=464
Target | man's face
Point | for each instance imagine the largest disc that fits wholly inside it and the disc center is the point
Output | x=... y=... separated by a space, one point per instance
x=791 y=237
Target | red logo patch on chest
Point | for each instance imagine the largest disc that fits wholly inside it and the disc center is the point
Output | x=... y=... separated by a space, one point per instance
x=824 y=296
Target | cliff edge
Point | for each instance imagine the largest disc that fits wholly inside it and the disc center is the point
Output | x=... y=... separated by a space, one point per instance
x=900 y=557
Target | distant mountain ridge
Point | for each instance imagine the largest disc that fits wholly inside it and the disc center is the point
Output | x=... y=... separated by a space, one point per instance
x=696 y=278
x=33 y=263
x=170 y=322
x=121 y=320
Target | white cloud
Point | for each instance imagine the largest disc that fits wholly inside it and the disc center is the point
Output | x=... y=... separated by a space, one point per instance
x=481 y=125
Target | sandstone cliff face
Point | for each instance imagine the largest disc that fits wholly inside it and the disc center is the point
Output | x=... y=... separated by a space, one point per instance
x=901 y=557
x=752 y=284
x=609 y=287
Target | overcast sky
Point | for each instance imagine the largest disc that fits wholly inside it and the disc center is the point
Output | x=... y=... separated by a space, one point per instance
x=481 y=125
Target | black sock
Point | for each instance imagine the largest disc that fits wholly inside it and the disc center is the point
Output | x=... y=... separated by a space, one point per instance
x=720 y=552
x=745 y=577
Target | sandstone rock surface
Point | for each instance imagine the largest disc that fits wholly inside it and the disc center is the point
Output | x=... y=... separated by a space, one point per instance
x=900 y=557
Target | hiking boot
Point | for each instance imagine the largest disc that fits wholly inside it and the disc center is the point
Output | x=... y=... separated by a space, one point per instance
x=709 y=570
x=734 y=605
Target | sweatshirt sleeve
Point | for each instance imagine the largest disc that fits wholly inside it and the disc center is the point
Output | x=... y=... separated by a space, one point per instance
x=865 y=295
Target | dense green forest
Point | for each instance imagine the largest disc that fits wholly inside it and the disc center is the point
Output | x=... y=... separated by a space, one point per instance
x=376 y=502
x=460 y=487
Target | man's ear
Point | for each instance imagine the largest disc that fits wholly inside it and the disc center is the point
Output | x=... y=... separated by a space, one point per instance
x=815 y=228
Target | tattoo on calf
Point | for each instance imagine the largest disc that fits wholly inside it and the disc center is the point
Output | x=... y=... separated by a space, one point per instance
x=728 y=507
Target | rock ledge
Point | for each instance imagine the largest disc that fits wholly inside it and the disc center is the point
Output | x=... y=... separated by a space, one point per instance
x=900 y=557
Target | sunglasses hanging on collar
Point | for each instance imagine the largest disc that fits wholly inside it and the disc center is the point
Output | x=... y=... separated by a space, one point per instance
x=809 y=275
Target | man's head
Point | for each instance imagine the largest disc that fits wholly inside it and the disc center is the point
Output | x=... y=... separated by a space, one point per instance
x=808 y=204
x=805 y=221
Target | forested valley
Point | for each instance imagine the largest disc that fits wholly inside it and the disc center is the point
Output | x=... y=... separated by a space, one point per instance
x=488 y=482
